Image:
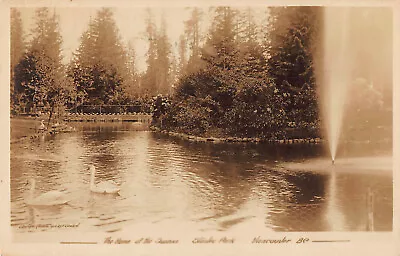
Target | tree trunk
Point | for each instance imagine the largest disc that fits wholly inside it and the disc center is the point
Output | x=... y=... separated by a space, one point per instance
x=51 y=113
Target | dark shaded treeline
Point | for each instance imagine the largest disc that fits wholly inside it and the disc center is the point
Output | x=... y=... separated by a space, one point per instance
x=245 y=86
x=237 y=79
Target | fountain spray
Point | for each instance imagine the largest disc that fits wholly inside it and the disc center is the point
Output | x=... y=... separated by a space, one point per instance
x=336 y=73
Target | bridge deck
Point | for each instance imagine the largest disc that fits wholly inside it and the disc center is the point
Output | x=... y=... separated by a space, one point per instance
x=131 y=117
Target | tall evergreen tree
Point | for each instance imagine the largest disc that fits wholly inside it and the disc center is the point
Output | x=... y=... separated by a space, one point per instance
x=293 y=33
x=132 y=78
x=220 y=48
x=173 y=75
x=213 y=87
x=17 y=49
x=99 y=65
x=220 y=53
x=156 y=79
x=244 y=87
x=248 y=30
x=41 y=73
x=149 y=79
x=182 y=54
x=251 y=61
x=193 y=38
x=163 y=60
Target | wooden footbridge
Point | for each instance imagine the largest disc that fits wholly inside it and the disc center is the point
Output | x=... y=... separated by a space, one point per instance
x=109 y=113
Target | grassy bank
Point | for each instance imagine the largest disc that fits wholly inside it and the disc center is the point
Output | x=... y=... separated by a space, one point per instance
x=23 y=127
x=28 y=128
x=212 y=139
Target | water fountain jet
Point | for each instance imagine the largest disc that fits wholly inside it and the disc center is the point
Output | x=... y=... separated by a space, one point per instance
x=336 y=73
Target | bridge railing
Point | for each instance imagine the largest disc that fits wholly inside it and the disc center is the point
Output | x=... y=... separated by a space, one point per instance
x=110 y=109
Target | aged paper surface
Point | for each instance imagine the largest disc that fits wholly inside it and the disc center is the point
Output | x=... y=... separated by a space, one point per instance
x=44 y=231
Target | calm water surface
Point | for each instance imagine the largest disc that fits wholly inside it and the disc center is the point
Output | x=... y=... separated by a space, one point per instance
x=208 y=186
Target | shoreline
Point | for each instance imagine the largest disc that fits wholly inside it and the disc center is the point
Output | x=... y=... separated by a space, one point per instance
x=216 y=140
x=26 y=128
x=237 y=140
x=23 y=132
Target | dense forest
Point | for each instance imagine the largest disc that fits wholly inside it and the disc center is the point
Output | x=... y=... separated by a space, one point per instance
x=249 y=81
x=237 y=79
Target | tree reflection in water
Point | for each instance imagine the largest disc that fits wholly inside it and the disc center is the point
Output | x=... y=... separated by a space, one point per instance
x=206 y=186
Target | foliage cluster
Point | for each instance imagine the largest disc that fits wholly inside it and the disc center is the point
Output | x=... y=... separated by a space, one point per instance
x=249 y=86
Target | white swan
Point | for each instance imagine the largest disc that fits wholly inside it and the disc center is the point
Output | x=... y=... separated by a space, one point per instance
x=105 y=187
x=46 y=199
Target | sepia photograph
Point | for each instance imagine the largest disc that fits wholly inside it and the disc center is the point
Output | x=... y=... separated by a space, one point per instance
x=208 y=124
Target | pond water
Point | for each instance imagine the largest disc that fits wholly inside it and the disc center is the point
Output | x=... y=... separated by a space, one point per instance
x=217 y=187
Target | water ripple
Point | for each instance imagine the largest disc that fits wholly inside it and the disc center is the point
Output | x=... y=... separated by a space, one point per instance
x=164 y=181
